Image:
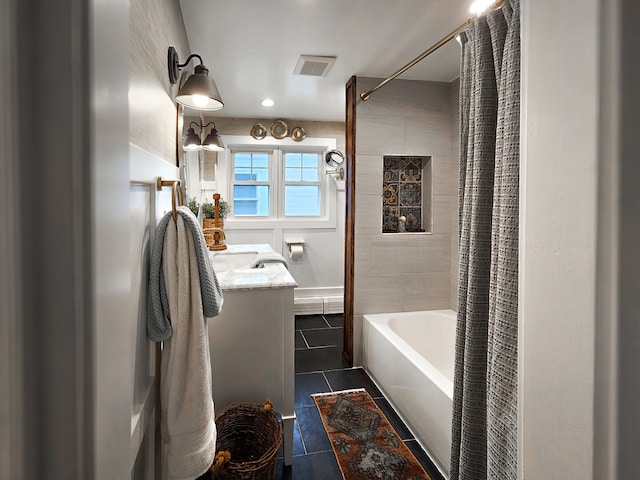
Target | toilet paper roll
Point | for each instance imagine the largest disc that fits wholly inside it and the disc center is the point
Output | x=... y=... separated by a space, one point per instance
x=295 y=252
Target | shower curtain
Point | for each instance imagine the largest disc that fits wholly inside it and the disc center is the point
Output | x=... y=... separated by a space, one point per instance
x=484 y=431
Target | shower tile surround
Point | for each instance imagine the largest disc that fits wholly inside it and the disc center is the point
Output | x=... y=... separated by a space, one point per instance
x=414 y=271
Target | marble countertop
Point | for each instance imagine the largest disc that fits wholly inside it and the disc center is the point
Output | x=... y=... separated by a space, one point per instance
x=242 y=277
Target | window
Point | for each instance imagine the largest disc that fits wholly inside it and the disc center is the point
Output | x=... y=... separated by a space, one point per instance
x=251 y=184
x=277 y=183
x=301 y=184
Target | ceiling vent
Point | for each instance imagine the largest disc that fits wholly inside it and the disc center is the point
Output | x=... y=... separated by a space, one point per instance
x=314 y=66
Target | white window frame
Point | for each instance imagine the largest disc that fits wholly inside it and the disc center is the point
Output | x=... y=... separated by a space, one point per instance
x=283 y=182
x=272 y=173
x=328 y=189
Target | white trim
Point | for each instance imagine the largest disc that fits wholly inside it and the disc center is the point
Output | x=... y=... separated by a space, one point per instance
x=319 y=292
x=318 y=300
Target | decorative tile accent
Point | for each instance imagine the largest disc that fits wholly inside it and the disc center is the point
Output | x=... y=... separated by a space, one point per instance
x=391 y=169
x=402 y=185
x=390 y=194
x=413 y=216
x=411 y=170
x=390 y=219
x=411 y=194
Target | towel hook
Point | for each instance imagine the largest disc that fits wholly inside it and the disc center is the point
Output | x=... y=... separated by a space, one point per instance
x=176 y=194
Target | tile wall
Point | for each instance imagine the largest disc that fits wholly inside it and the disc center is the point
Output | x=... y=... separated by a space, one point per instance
x=404 y=272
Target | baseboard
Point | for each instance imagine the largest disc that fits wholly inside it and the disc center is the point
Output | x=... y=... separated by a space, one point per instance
x=317 y=305
x=334 y=304
x=308 y=306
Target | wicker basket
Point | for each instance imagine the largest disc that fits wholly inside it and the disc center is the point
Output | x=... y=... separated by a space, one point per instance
x=249 y=436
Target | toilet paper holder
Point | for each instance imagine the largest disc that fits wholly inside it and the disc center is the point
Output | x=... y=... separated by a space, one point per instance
x=294 y=243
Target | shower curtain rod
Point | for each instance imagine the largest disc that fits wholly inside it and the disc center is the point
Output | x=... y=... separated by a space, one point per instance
x=365 y=95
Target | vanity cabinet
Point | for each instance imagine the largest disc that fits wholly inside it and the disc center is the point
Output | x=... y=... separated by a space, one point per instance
x=252 y=340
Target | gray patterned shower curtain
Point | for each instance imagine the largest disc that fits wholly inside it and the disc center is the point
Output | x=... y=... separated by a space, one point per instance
x=484 y=432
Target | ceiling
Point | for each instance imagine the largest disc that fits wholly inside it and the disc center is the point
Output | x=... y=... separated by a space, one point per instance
x=252 y=47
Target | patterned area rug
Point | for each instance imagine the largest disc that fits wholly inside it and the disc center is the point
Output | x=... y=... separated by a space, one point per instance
x=364 y=442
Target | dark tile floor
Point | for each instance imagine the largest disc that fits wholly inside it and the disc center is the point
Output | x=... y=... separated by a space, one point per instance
x=319 y=368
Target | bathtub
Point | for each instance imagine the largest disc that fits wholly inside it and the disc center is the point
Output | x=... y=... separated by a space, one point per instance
x=411 y=356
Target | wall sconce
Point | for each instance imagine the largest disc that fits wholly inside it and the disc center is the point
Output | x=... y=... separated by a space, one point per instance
x=212 y=142
x=198 y=91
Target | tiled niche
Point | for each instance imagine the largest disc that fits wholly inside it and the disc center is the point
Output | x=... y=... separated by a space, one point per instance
x=406 y=192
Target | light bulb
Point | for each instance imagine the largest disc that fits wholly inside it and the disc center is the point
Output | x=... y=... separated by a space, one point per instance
x=267 y=102
x=480 y=6
x=200 y=100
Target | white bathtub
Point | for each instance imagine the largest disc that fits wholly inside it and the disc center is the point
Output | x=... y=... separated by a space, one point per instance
x=411 y=355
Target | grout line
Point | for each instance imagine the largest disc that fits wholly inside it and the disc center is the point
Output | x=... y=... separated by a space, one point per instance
x=341 y=368
x=304 y=445
x=318 y=328
x=327 y=380
x=305 y=339
x=326 y=321
x=311 y=371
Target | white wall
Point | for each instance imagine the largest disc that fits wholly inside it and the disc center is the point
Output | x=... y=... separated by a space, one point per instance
x=109 y=247
x=558 y=238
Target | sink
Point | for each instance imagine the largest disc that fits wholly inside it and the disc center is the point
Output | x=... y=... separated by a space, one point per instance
x=229 y=261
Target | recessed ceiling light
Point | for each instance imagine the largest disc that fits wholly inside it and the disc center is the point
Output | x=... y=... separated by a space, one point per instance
x=267 y=102
x=480 y=6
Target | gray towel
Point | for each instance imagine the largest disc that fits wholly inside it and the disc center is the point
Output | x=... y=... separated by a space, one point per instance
x=158 y=318
x=271 y=257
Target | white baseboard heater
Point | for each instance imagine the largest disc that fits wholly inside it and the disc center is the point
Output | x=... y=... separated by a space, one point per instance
x=319 y=305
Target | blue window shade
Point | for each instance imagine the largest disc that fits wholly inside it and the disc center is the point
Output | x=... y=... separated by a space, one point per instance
x=302 y=200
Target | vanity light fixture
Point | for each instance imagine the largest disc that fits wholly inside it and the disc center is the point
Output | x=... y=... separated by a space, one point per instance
x=199 y=90
x=212 y=142
x=191 y=140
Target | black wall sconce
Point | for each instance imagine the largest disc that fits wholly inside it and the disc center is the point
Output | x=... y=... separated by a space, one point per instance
x=199 y=90
x=212 y=142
